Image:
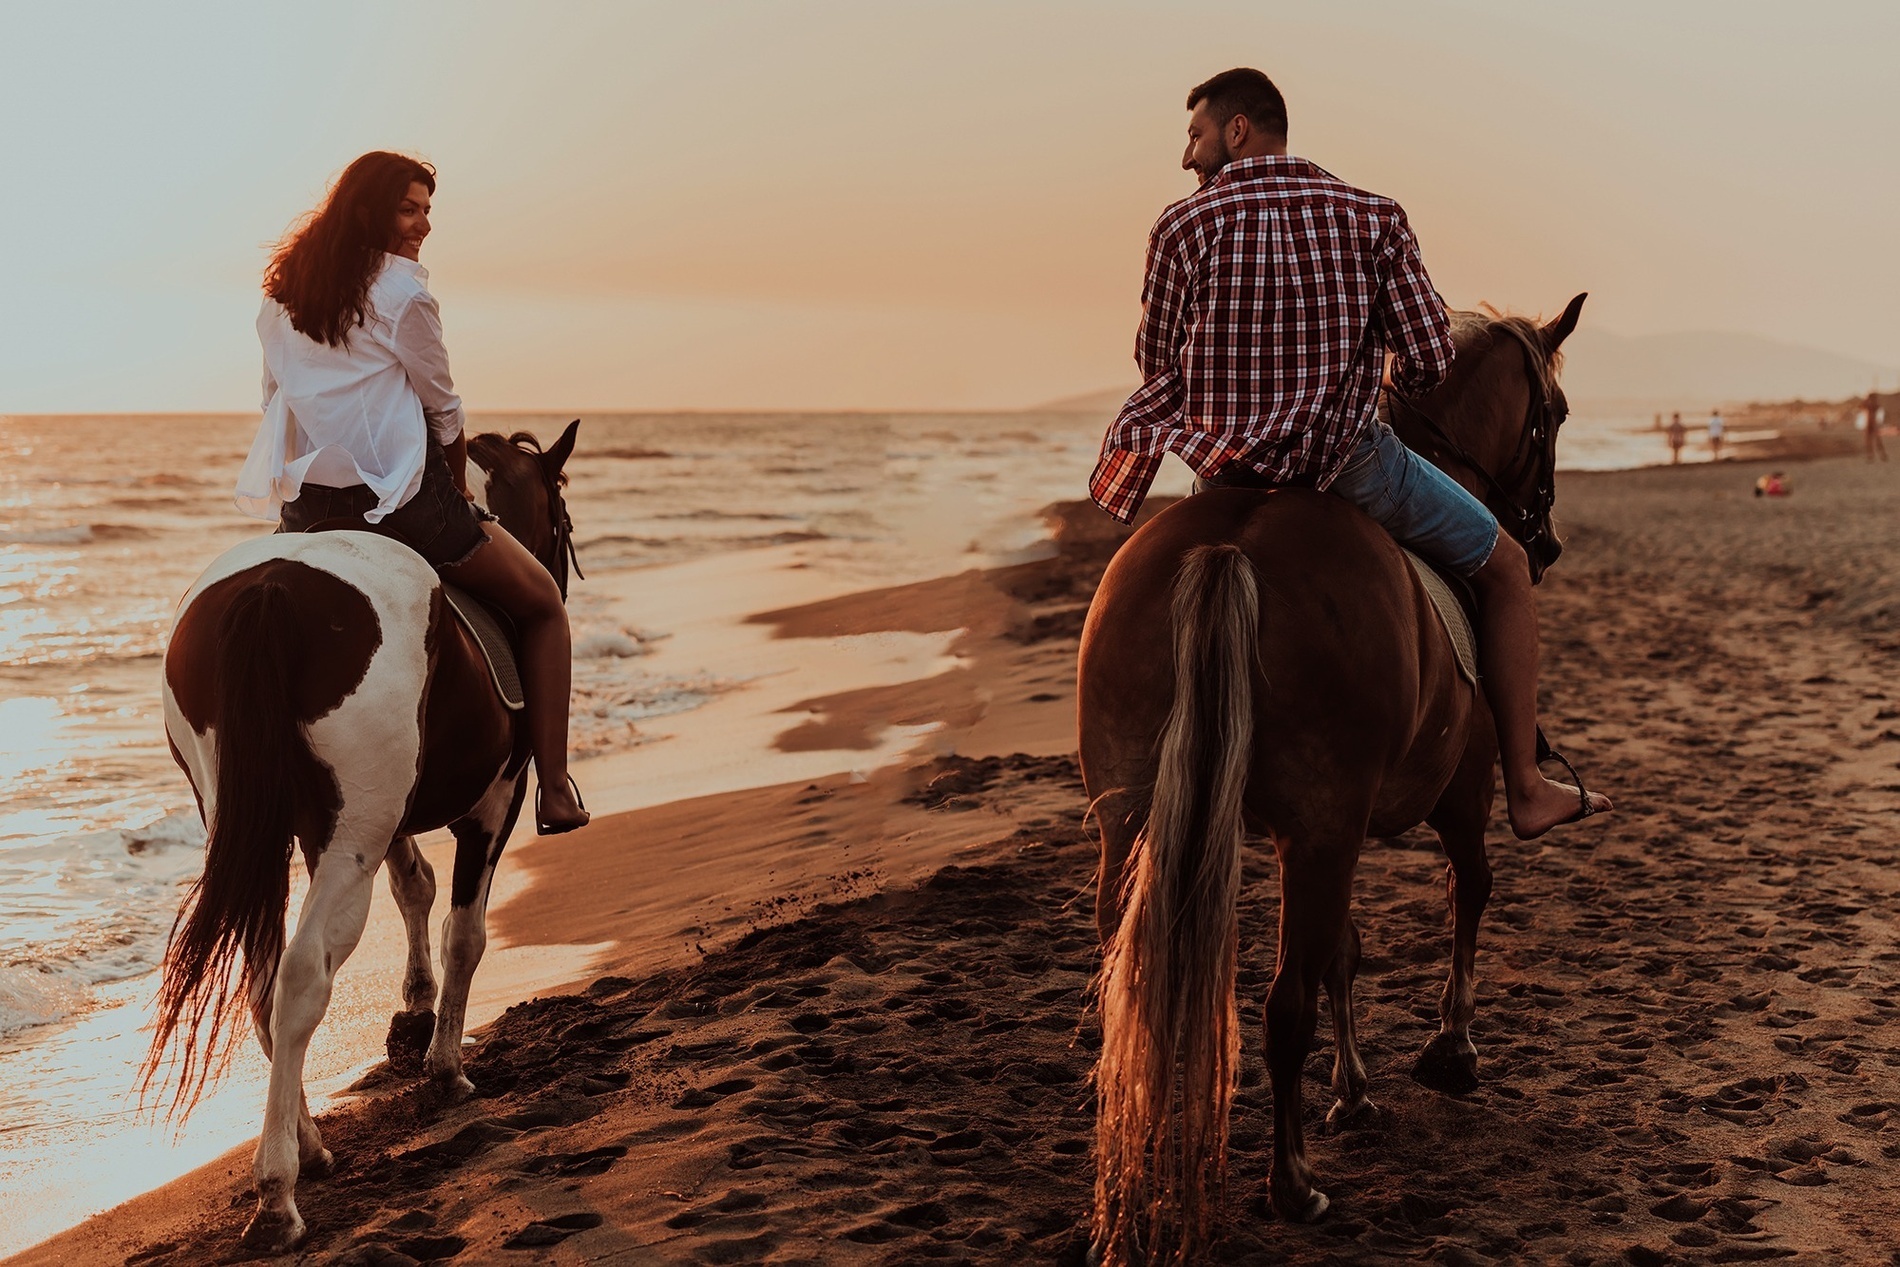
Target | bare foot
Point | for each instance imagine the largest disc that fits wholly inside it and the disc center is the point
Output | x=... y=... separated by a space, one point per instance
x=1546 y=805
x=557 y=809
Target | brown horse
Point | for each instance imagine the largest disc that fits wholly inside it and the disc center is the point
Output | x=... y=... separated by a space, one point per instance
x=317 y=687
x=1268 y=662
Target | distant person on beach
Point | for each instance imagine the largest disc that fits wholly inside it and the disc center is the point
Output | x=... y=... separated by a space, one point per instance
x=1677 y=434
x=1718 y=431
x=1876 y=417
x=1772 y=485
x=361 y=422
x=1276 y=262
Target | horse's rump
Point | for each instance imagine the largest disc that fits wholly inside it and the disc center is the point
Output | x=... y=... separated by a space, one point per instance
x=1353 y=657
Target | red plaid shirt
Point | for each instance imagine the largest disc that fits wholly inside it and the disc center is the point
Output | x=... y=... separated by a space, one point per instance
x=1271 y=299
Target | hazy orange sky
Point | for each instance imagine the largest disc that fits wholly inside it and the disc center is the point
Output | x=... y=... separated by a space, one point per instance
x=882 y=205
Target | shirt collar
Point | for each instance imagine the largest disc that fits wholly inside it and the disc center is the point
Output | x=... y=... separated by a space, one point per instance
x=1265 y=167
x=403 y=264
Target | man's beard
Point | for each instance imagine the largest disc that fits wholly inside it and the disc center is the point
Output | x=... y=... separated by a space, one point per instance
x=1226 y=157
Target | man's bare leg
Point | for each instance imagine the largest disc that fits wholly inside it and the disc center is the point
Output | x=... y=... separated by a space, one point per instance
x=1507 y=649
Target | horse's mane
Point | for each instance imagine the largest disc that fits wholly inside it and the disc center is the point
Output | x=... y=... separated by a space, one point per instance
x=1473 y=332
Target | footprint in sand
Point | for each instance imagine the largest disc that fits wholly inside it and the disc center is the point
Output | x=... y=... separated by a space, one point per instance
x=545 y=1232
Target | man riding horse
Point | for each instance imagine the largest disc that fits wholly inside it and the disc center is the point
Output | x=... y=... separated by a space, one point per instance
x=1272 y=297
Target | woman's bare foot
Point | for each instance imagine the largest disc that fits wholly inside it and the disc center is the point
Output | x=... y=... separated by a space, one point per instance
x=1544 y=805
x=558 y=808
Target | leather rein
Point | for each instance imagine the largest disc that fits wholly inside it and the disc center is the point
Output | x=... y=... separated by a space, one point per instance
x=1535 y=457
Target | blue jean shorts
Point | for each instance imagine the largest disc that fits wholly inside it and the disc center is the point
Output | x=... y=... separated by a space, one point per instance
x=1424 y=509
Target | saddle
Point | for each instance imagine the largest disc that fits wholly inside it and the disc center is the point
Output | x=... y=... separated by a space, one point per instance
x=487 y=624
x=1457 y=608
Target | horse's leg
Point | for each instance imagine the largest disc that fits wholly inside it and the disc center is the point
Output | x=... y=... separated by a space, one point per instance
x=412 y=884
x=1315 y=904
x=1449 y=1062
x=478 y=843
x=1349 y=1071
x=314 y=1161
x=334 y=912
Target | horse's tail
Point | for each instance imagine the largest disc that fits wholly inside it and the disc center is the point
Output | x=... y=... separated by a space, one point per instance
x=238 y=904
x=1170 y=1033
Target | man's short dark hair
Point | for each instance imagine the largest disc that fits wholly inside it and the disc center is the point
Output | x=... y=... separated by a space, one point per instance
x=1247 y=92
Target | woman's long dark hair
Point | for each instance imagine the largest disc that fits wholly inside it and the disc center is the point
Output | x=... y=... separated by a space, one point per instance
x=322 y=270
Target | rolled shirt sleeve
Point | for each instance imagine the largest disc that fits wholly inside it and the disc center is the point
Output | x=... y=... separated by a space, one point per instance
x=425 y=357
x=1412 y=319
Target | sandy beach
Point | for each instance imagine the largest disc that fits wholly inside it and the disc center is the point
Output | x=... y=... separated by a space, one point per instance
x=843 y=1019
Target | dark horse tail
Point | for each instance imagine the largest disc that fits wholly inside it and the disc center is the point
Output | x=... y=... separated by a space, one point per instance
x=237 y=905
x=1170 y=1032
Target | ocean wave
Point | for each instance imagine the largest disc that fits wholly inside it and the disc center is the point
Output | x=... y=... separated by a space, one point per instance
x=72 y=535
x=31 y=995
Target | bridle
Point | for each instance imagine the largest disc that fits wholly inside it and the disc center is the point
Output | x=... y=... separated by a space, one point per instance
x=1534 y=461
x=561 y=527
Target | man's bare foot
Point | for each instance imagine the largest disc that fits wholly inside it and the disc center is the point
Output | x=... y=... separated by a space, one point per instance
x=1545 y=805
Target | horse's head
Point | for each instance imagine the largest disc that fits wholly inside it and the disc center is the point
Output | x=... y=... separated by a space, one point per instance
x=522 y=485
x=1492 y=424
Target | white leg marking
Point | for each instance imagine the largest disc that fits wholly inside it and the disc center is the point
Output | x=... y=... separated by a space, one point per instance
x=334 y=912
x=464 y=938
x=412 y=884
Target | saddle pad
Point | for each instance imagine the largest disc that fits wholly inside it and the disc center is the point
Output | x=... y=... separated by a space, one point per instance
x=1451 y=614
x=492 y=635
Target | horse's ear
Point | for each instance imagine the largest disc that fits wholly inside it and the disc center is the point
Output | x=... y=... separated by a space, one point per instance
x=1557 y=331
x=558 y=453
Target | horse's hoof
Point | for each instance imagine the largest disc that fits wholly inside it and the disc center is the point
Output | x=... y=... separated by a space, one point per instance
x=273 y=1231
x=1342 y=1117
x=409 y=1036
x=1448 y=1065
x=1297 y=1209
x=322 y=1166
x=451 y=1088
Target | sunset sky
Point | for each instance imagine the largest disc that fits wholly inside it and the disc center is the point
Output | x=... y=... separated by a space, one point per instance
x=917 y=205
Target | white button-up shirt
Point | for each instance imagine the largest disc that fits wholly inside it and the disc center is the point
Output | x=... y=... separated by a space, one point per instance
x=362 y=413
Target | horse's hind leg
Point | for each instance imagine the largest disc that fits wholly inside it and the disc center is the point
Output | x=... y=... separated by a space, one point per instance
x=479 y=839
x=1449 y=1062
x=412 y=884
x=331 y=923
x=314 y=1161
x=1349 y=1071
x=1315 y=903
x=1116 y=812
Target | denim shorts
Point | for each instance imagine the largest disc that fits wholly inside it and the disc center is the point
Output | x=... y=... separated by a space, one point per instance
x=1424 y=509
x=438 y=523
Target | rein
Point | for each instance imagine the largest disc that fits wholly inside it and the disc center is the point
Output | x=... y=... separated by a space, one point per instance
x=1535 y=456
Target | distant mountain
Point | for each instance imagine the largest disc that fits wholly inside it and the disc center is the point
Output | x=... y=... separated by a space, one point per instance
x=1691 y=370
x=1106 y=401
x=1708 y=367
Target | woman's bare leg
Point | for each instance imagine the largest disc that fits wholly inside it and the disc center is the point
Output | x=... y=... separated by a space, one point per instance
x=506 y=574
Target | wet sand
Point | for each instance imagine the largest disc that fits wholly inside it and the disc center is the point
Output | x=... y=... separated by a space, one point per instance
x=1687 y=1024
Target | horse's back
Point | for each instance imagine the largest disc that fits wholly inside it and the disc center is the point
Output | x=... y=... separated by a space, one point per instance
x=1350 y=667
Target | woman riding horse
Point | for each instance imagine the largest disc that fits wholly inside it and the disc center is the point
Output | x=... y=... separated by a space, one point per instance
x=361 y=422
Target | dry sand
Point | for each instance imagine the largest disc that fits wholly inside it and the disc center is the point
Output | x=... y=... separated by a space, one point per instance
x=1687 y=1016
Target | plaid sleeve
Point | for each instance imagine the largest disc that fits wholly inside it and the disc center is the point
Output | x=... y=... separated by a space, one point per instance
x=1164 y=295
x=1411 y=317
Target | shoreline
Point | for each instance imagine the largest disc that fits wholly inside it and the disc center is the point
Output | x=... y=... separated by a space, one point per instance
x=981 y=858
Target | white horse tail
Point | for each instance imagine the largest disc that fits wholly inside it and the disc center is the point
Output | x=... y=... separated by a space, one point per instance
x=238 y=904
x=1170 y=1032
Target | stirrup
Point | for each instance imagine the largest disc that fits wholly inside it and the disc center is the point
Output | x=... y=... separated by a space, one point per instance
x=1547 y=753
x=541 y=827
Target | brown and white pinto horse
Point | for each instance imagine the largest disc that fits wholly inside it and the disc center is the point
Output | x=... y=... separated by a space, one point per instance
x=1269 y=663
x=318 y=687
